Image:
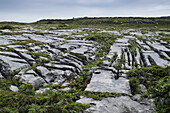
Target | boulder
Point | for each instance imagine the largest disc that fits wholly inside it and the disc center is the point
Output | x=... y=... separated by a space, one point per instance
x=42 y=71
x=37 y=82
x=46 y=74
x=59 y=76
x=50 y=77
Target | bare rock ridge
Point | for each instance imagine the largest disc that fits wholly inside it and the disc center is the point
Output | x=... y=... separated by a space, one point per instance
x=43 y=59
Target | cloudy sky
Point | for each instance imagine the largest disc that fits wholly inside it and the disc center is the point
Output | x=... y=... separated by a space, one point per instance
x=33 y=10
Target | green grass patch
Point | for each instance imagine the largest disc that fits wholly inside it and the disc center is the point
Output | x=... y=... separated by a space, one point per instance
x=38 y=54
x=100 y=96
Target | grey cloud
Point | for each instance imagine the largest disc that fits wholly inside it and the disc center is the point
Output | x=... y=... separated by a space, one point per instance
x=29 y=10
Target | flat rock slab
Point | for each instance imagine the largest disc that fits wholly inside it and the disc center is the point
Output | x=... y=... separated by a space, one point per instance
x=70 y=62
x=158 y=46
x=40 y=38
x=122 y=40
x=137 y=34
x=10 y=54
x=7 y=39
x=111 y=32
x=68 y=47
x=27 y=56
x=121 y=104
x=157 y=59
x=114 y=50
x=14 y=63
x=81 y=50
x=104 y=81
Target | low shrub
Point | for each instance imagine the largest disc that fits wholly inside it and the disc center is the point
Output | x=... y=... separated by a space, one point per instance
x=157 y=81
x=6 y=27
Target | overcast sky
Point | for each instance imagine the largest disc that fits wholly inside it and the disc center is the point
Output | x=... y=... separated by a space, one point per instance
x=33 y=10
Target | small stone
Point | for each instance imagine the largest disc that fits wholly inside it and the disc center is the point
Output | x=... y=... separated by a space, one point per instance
x=1 y=77
x=142 y=88
x=14 y=88
x=137 y=96
x=66 y=89
x=42 y=90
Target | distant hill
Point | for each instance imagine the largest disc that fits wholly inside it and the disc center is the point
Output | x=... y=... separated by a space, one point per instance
x=110 y=20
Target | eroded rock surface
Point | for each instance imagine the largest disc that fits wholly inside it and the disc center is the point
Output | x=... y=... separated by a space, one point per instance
x=104 y=81
x=121 y=104
x=52 y=58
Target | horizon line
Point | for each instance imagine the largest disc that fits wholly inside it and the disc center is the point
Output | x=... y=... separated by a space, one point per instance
x=80 y=17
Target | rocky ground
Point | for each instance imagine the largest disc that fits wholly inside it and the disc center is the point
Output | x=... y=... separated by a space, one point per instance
x=59 y=57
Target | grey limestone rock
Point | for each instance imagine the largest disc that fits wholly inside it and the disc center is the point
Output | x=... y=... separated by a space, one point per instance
x=42 y=71
x=104 y=81
x=155 y=59
x=81 y=50
x=13 y=88
x=37 y=82
x=61 y=67
x=4 y=68
x=137 y=96
x=121 y=104
x=1 y=77
x=46 y=74
x=42 y=90
x=12 y=61
x=142 y=88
